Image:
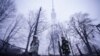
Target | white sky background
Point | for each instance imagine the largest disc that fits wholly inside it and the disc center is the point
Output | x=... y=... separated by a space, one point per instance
x=64 y=9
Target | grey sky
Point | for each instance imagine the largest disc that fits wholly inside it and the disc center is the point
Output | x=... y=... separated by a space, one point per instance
x=64 y=9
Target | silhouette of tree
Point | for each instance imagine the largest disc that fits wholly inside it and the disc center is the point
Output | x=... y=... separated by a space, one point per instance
x=37 y=24
x=7 y=9
x=81 y=25
x=11 y=31
x=98 y=27
x=65 y=47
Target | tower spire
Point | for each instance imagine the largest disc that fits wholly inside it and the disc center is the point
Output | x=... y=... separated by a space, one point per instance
x=52 y=5
x=53 y=14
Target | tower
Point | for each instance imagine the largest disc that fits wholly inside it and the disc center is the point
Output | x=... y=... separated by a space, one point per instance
x=54 y=37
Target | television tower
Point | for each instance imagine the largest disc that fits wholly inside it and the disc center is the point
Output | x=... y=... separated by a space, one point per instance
x=54 y=37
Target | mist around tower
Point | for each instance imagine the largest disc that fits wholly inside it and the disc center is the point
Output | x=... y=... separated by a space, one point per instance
x=49 y=28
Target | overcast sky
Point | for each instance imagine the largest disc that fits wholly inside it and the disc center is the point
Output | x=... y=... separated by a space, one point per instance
x=64 y=9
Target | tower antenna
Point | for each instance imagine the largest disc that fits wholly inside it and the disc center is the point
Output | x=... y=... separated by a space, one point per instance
x=52 y=4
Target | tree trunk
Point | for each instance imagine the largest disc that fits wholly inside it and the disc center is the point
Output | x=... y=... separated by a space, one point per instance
x=79 y=50
x=59 y=49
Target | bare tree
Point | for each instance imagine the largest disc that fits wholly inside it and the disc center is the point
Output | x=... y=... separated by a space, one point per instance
x=79 y=50
x=11 y=31
x=7 y=9
x=81 y=25
x=37 y=25
x=98 y=27
x=56 y=33
x=31 y=30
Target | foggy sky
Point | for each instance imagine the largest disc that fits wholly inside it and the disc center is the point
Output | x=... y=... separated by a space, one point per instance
x=64 y=9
